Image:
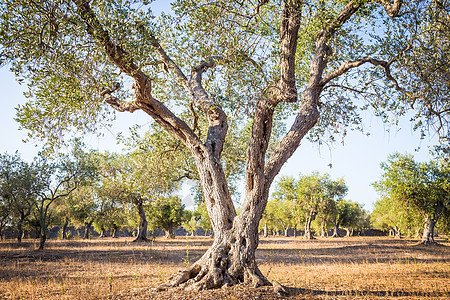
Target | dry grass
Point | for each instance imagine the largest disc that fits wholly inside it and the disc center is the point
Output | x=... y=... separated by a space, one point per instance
x=360 y=268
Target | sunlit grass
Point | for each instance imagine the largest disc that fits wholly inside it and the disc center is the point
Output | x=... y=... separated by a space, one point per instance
x=324 y=268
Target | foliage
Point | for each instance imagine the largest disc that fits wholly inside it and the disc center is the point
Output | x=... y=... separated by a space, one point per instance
x=414 y=187
x=299 y=201
x=191 y=223
x=203 y=218
x=19 y=187
x=167 y=213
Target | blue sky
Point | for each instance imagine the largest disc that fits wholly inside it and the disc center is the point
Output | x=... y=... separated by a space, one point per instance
x=357 y=161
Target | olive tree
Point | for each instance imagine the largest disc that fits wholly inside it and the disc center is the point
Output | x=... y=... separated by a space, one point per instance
x=424 y=186
x=18 y=188
x=167 y=213
x=5 y=212
x=212 y=61
x=58 y=178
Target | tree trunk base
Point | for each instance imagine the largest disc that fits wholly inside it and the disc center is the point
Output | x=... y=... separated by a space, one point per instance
x=140 y=239
x=427 y=243
x=226 y=263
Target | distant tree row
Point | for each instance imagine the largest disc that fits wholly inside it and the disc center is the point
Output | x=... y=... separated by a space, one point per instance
x=106 y=191
x=112 y=192
x=415 y=197
x=29 y=191
x=312 y=202
x=85 y=190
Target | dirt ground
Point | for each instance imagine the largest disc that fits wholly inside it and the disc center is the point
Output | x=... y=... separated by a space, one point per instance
x=341 y=268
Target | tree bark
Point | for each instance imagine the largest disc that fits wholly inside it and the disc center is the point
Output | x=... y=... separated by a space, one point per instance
x=142 y=230
x=169 y=232
x=19 y=230
x=309 y=219
x=266 y=230
x=307 y=235
x=323 y=232
x=397 y=233
x=417 y=233
x=64 y=228
x=42 y=239
x=347 y=232
x=230 y=260
x=336 y=231
x=87 y=227
x=428 y=231
x=429 y=224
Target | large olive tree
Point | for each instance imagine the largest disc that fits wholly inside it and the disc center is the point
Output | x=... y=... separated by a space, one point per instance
x=212 y=63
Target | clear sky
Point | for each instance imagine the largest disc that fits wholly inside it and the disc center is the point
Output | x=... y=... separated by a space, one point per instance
x=357 y=161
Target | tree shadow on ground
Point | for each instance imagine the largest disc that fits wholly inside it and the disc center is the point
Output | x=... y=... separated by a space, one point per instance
x=293 y=292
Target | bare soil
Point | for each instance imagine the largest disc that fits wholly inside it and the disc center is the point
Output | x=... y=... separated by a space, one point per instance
x=341 y=268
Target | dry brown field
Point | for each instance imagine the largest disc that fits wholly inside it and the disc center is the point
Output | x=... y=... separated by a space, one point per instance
x=342 y=268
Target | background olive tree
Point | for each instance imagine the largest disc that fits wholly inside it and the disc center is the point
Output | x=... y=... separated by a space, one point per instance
x=412 y=187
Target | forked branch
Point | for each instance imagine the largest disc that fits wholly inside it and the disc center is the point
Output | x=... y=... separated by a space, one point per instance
x=144 y=99
x=393 y=8
x=345 y=67
x=117 y=104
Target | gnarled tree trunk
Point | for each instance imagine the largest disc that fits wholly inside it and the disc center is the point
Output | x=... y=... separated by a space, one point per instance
x=169 y=232
x=323 y=232
x=64 y=228
x=87 y=228
x=142 y=230
x=347 y=231
x=428 y=231
x=430 y=222
x=336 y=230
x=309 y=219
x=42 y=239
x=266 y=230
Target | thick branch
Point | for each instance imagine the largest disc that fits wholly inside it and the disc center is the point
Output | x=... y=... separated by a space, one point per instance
x=341 y=18
x=117 y=104
x=290 y=24
x=115 y=52
x=384 y=64
x=256 y=153
x=305 y=120
x=218 y=125
x=354 y=64
x=308 y=113
x=285 y=90
x=392 y=9
x=144 y=99
x=344 y=68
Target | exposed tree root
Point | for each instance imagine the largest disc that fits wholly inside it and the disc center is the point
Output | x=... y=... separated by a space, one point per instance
x=224 y=264
x=140 y=239
x=427 y=243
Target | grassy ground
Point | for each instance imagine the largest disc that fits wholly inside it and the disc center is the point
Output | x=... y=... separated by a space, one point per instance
x=356 y=267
